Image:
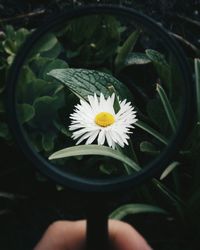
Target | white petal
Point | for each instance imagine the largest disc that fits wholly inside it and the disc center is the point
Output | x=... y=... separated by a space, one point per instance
x=92 y=137
x=108 y=138
x=101 y=137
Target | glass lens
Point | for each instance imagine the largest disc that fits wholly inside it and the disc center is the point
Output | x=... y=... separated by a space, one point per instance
x=107 y=83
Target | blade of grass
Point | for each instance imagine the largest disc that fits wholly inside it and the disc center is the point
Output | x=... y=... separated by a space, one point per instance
x=94 y=150
x=177 y=201
x=136 y=208
x=151 y=131
x=167 y=107
x=169 y=169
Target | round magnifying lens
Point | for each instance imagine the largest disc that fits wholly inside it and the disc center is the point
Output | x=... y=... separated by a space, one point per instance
x=99 y=98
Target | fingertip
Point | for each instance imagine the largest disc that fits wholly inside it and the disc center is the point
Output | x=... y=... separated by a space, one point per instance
x=124 y=237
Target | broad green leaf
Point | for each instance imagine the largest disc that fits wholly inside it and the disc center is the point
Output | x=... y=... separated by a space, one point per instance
x=42 y=65
x=9 y=47
x=148 y=147
x=169 y=169
x=54 y=52
x=54 y=64
x=135 y=208
x=20 y=37
x=94 y=150
x=10 y=59
x=167 y=107
x=197 y=77
x=26 y=112
x=126 y=48
x=151 y=131
x=87 y=82
x=91 y=40
x=26 y=75
x=46 y=111
x=161 y=65
x=14 y=39
x=45 y=44
x=30 y=91
x=136 y=58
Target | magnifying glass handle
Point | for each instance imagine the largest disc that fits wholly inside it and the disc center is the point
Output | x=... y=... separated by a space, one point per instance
x=97 y=228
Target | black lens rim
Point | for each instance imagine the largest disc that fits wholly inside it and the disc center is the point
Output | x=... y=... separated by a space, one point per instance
x=93 y=185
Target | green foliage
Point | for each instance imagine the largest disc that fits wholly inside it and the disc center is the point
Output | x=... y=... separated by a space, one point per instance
x=94 y=150
x=167 y=107
x=132 y=209
x=125 y=49
x=87 y=82
x=95 y=45
x=65 y=65
x=161 y=65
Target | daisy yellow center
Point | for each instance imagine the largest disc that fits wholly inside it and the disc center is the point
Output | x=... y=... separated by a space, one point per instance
x=104 y=119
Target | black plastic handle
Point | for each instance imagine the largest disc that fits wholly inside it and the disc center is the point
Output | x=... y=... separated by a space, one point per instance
x=97 y=226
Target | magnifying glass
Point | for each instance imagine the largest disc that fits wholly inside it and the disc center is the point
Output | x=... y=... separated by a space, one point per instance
x=99 y=100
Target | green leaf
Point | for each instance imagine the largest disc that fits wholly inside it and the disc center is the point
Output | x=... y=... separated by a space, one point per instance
x=151 y=131
x=46 y=110
x=167 y=107
x=169 y=169
x=197 y=77
x=87 y=82
x=161 y=65
x=9 y=47
x=26 y=112
x=46 y=43
x=148 y=147
x=177 y=201
x=53 y=52
x=136 y=58
x=94 y=150
x=26 y=76
x=126 y=48
x=54 y=64
x=91 y=40
x=42 y=65
x=14 y=39
x=136 y=208
x=29 y=92
x=10 y=59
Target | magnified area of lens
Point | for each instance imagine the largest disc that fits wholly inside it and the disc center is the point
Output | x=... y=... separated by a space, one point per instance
x=100 y=96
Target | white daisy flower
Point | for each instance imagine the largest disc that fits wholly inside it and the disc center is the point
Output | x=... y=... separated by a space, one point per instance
x=97 y=119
